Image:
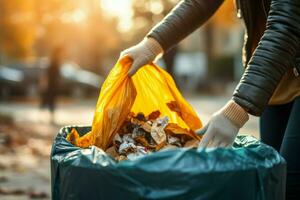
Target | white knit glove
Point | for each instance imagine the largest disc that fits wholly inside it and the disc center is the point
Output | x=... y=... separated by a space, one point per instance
x=224 y=125
x=143 y=53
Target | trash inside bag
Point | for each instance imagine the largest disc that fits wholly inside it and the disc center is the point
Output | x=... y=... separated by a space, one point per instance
x=149 y=102
x=250 y=170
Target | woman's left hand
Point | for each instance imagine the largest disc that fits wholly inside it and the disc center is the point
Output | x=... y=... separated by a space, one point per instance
x=223 y=127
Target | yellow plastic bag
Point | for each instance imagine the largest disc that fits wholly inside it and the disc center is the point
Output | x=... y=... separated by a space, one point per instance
x=150 y=89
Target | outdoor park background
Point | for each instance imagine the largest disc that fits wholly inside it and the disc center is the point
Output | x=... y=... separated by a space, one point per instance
x=206 y=66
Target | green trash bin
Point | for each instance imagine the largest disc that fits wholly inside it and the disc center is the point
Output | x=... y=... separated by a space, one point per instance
x=250 y=170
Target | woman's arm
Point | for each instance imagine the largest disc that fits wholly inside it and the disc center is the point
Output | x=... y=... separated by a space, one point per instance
x=181 y=21
x=185 y=18
x=274 y=55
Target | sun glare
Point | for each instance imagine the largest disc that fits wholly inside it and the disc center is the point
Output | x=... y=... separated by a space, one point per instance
x=121 y=9
x=76 y=16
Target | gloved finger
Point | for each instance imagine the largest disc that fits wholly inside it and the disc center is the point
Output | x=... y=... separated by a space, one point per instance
x=229 y=145
x=134 y=67
x=205 y=140
x=223 y=144
x=202 y=130
x=124 y=53
x=214 y=142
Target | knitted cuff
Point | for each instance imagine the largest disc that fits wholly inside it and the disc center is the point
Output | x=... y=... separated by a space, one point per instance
x=153 y=46
x=235 y=113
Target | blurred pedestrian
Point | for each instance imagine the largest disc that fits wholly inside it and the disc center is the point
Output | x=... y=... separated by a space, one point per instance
x=270 y=85
x=53 y=80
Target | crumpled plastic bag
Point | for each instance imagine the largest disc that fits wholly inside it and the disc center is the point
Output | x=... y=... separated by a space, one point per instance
x=150 y=89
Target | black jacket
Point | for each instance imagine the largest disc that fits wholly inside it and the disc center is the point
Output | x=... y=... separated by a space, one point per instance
x=266 y=63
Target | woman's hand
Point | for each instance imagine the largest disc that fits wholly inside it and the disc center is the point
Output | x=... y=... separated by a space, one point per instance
x=223 y=127
x=143 y=53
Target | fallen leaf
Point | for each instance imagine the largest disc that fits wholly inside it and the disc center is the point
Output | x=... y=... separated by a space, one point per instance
x=154 y=115
x=173 y=106
x=192 y=144
x=174 y=129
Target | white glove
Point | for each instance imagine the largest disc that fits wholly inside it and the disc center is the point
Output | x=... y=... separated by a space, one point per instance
x=224 y=125
x=143 y=53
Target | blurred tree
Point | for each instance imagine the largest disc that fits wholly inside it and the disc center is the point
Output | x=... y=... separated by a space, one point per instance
x=18 y=28
x=34 y=27
x=104 y=38
x=147 y=13
x=80 y=25
x=224 y=18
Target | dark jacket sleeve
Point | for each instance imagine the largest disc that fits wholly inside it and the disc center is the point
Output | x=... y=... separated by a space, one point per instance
x=274 y=55
x=185 y=18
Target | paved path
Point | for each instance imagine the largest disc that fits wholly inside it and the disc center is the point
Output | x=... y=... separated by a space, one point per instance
x=81 y=112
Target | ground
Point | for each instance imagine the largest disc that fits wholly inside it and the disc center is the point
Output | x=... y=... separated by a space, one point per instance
x=26 y=137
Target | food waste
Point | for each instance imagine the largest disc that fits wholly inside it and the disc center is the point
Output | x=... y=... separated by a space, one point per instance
x=140 y=135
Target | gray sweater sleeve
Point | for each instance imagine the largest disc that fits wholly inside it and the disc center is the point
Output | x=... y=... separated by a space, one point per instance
x=184 y=18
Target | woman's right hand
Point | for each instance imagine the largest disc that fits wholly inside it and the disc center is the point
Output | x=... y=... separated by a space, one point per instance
x=143 y=53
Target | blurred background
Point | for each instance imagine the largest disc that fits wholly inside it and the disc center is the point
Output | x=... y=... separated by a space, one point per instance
x=55 y=54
